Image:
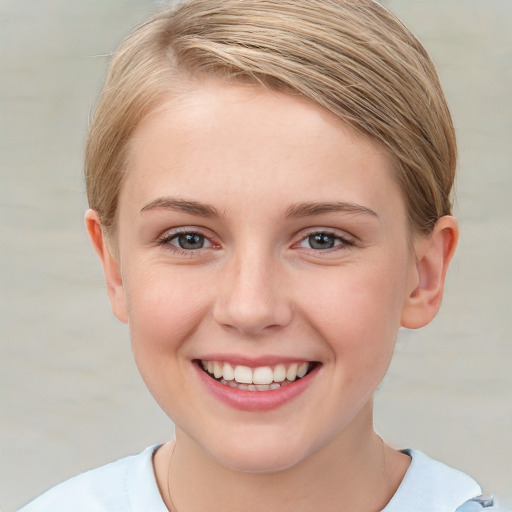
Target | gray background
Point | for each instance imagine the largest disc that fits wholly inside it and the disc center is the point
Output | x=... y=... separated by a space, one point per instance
x=70 y=395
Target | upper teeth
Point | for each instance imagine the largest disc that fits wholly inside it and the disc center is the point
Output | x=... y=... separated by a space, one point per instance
x=259 y=375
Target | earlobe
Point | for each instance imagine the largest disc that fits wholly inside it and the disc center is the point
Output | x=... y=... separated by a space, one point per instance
x=111 y=267
x=433 y=256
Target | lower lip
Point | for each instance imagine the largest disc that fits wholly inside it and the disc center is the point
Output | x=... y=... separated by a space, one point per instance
x=255 y=400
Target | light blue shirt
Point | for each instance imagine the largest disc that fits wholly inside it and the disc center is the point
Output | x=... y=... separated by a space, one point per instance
x=430 y=486
x=129 y=485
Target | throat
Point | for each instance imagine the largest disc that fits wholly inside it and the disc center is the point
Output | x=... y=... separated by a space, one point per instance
x=342 y=487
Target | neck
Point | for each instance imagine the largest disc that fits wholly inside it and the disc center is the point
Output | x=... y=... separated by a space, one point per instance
x=354 y=471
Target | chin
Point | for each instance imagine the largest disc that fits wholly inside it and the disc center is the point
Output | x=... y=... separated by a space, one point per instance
x=263 y=457
x=259 y=463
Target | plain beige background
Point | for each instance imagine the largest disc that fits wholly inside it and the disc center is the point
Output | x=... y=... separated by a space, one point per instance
x=70 y=395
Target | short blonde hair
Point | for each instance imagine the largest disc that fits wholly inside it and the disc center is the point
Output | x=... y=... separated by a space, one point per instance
x=353 y=57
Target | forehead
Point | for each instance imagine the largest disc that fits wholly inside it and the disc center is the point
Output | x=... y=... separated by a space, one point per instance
x=220 y=141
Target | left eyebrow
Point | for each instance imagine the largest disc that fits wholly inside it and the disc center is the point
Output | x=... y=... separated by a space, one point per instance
x=309 y=209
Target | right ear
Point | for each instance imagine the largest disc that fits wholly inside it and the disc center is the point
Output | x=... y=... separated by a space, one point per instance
x=111 y=267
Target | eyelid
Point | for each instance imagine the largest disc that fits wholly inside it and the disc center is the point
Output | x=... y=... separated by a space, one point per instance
x=170 y=234
x=345 y=238
x=175 y=237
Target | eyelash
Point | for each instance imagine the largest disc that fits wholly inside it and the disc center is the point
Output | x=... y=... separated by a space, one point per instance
x=344 y=242
x=165 y=240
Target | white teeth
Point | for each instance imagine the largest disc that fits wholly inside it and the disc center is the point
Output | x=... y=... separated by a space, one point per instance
x=263 y=375
x=302 y=370
x=291 y=373
x=262 y=378
x=279 y=373
x=217 y=370
x=227 y=372
x=243 y=375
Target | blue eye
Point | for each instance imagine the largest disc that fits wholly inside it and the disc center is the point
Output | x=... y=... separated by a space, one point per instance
x=188 y=241
x=322 y=241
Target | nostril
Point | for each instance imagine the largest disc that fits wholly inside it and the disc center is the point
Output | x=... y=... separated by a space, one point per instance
x=252 y=300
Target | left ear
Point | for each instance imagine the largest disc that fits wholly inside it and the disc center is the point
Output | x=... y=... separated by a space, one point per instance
x=433 y=256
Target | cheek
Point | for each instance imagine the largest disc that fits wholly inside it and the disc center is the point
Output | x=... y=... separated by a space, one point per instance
x=357 y=298
x=164 y=309
x=357 y=312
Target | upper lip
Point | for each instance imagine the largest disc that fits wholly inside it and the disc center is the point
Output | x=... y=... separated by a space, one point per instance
x=253 y=362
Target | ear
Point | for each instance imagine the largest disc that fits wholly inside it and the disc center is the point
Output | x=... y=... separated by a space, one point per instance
x=111 y=267
x=433 y=256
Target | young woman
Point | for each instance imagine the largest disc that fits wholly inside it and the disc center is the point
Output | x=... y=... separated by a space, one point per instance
x=269 y=184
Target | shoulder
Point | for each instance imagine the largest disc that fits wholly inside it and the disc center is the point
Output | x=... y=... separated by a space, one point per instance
x=431 y=486
x=123 y=485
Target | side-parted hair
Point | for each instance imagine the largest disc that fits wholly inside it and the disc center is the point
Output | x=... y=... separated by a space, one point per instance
x=352 y=57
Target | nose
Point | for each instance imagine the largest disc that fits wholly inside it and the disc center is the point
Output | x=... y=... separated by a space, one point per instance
x=252 y=298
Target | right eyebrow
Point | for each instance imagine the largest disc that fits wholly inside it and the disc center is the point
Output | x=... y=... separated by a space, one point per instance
x=183 y=206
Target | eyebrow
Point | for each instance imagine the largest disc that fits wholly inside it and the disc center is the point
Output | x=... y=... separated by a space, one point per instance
x=309 y=209
x=297 y=210
x=182 y=205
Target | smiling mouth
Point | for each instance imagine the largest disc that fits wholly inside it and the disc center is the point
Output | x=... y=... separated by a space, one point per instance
x=261 y=378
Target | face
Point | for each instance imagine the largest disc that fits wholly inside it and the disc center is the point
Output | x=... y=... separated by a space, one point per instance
x=264 y=267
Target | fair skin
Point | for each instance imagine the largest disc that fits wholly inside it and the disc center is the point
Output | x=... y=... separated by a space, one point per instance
x=255 y=229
